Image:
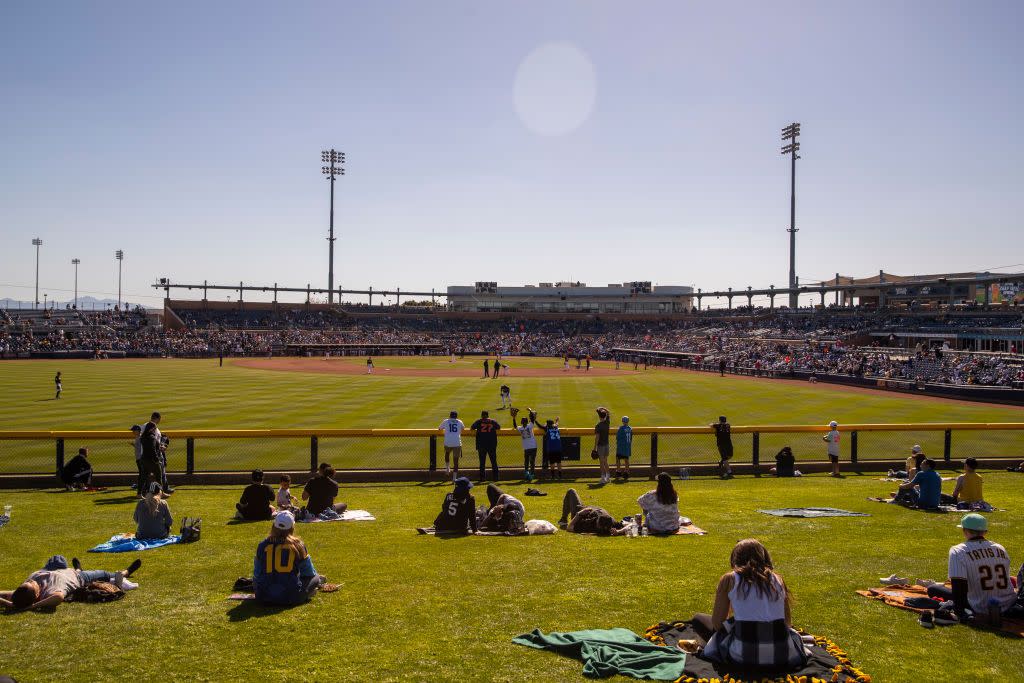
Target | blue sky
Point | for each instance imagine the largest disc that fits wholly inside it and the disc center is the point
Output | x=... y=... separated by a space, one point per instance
x=515 y=142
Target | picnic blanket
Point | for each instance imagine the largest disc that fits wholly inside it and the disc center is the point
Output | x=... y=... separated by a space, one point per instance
x=903 y=480
x=127 y=543
x=610 y=652
x=4 y=519
x=346 y=516
x=431 y=531
x=959 y=507
x=826 y=662
x=813 y=512
x=897 y=596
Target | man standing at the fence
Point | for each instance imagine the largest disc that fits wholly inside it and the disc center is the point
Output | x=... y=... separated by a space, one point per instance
x=486 y=443
x=151 y=444
x=452 y=428
x=723 y=439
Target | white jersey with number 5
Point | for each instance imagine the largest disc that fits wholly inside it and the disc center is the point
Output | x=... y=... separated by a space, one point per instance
x=452 y=428
x=986 y=567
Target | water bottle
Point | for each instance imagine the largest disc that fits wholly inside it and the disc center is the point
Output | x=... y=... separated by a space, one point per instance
x=995 y=613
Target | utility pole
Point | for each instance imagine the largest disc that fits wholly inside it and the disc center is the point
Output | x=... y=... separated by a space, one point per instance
x=75 y=263
x=119 y=255
x=36 y=242
x=336 y=160
x=791 y=133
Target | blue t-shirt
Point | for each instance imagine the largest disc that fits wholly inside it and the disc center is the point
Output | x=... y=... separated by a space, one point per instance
x=930 y=484
x=552 y=440
x=624 y=441
x=278 y=572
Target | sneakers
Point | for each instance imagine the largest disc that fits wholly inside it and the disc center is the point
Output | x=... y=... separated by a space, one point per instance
x=927 y=620
x=894 y=580
x=124 y=584
x=928 y=583
x=945 y=617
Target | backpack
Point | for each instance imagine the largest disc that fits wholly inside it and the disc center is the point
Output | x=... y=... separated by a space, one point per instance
x=191 y=528
x=96 y=591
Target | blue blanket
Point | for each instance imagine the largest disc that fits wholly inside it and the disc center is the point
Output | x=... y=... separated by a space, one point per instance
x=127 y=543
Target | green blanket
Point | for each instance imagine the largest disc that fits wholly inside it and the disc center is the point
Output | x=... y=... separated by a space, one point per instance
x=607 y=652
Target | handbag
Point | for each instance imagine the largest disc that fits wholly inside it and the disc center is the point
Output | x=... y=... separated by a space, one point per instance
x=191 y=529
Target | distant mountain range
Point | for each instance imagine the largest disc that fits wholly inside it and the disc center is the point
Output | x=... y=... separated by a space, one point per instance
x=86 y=303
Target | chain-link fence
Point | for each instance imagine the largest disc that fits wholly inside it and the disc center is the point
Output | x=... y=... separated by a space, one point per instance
x=303 y=450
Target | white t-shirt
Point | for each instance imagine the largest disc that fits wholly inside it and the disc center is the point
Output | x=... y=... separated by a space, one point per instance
x=529 y=440
x=661 y=517
x=833 y=442
x=986 y=567
x=748 y=604
x=452 y=428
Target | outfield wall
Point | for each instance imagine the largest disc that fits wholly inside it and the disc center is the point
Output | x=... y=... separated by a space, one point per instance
x=381 y=454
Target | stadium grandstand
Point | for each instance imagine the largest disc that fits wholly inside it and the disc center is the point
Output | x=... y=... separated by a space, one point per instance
x=967 y=345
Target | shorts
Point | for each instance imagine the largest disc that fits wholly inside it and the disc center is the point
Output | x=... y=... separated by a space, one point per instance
x=555 y=457
x=457 y=450
x=602 y=451
x=725 y=451
x=622 y=456
x=833 y=458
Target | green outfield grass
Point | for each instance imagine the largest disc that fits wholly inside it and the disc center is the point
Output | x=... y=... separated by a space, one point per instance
x=424 y=609
x=197 y=394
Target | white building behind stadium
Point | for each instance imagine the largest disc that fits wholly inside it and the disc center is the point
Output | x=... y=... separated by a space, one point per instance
x=571 y=297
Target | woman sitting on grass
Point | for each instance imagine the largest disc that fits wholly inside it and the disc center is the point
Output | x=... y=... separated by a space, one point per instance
x=661 y=507
x=283 y=572
x=758 y=635
x=152 y=514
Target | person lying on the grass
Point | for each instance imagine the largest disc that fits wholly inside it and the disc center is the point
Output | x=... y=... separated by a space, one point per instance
x=924 y=490
x=1019 y=467
x=506 y=513
x=759 y=634
x=283 y=572
x=979 y=573
x=458 y=511
x=77 y=473
x=661 y=506
x=785 y=463
x=583 y=519
x=968 y=485
x=152 y=514
x=50 y=587
x=320 y=491
x=256 y=500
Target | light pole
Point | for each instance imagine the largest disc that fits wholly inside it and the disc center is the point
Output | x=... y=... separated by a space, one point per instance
x=336 y=160
x=75 y=263
x=37 y=243
x=119 y=255
x=791 y=133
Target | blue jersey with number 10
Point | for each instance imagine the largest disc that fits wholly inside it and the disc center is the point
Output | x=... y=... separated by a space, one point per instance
x=276 y=573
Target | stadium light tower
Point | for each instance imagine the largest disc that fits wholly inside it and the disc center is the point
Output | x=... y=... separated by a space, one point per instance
x=75 y=263
x=791 y=133
x=119 y=255
x=336 y=161
x=36 y=242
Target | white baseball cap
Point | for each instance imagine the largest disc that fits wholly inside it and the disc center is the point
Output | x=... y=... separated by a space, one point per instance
x=833 y=423
x=916 y=449
x=284 y=520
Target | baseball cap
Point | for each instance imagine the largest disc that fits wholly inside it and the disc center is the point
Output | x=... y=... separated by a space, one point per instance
x=721 y=418
x=916 y=449
x=136 y=428
x=463 y=483
x=625 y=419
x=833 y=423
x=284 y=520
x=974 y=522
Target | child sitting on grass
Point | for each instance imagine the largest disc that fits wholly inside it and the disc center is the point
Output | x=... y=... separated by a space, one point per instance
x=285 y=499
